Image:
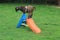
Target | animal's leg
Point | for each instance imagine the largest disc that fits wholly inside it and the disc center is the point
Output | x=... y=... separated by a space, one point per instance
x=30 y=15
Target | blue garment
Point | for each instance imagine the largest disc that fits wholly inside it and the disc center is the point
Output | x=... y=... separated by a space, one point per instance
x=23 y=18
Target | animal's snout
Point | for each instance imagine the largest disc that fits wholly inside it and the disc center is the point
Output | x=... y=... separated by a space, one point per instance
x=16 y=9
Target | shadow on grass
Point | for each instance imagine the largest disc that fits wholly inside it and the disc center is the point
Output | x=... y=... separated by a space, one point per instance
x=25 y=28
x=51 y=24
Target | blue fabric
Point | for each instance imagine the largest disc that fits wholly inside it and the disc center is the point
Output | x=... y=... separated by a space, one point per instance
x=23 y=18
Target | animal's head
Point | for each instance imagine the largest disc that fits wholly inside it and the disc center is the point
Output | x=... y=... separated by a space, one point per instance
x=17 y=9
x=21 y=8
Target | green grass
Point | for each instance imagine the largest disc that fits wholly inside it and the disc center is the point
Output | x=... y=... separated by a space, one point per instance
x=47 y=19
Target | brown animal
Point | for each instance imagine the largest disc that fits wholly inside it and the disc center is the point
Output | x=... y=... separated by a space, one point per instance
x=26 y=9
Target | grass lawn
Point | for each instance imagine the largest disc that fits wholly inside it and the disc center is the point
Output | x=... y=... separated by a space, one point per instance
x=47 y=19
